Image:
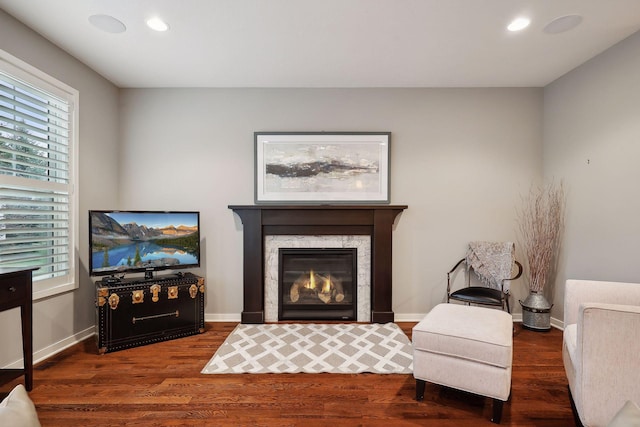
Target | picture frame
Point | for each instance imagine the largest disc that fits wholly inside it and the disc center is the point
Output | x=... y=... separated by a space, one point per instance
x=322 y=167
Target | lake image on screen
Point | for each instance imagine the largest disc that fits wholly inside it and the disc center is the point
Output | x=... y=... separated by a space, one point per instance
x=128 y=241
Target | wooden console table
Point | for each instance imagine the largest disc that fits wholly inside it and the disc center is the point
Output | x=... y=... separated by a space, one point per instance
x=16 y=291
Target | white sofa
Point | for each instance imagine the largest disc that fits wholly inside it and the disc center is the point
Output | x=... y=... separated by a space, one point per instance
x=601 y=347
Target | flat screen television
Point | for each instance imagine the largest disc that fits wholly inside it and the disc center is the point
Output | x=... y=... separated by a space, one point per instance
x=142 y=241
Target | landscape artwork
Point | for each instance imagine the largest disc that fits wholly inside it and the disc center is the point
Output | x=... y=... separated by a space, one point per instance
x=128 y=241
x=322 y=167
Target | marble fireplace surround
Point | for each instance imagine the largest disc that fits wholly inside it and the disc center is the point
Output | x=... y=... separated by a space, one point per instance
x=362 y=244
x=260 y=221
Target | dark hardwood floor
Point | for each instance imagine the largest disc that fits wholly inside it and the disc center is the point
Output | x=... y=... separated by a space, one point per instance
x=161 y=385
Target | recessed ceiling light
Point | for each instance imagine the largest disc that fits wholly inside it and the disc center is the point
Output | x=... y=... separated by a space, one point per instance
x=107 y=23
x=562 y=24
x=157 y=24
x=519 y=24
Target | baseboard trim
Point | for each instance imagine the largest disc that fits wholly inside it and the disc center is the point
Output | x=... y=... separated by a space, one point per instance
x=409 y=317
x=222 y=317
x=558 y=324
x=55 y=348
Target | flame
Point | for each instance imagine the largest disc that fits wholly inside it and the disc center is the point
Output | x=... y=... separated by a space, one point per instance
x=312 y=284
x=326 y=288
x=312 y=280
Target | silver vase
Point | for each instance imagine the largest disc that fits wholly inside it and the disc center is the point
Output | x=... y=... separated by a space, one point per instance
x=536 y=312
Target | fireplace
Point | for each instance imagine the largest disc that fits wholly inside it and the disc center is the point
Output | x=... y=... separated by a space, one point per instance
x=317 y=284
x=372 y=223
x=361 y=244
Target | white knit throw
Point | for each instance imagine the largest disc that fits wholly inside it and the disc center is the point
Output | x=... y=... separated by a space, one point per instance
x=492 y=262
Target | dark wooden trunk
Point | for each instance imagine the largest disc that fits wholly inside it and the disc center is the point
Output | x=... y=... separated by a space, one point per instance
x=138 y=312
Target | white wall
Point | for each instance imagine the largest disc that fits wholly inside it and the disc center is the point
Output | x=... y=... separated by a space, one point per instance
x=592 y=142
x=460 y=159
x=58 y=320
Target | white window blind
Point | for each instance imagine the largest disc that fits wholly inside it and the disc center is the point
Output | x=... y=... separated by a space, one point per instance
x=37 y=221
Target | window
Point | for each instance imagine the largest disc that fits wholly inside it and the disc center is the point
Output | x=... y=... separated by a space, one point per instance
x=38 y=225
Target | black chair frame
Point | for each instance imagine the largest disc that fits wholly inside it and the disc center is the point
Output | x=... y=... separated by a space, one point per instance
x=481 y=294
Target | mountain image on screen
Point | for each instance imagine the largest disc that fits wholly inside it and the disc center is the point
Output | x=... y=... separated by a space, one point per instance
x=136 y=241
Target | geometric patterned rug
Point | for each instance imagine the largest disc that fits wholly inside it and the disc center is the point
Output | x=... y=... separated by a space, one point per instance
x=342 y=348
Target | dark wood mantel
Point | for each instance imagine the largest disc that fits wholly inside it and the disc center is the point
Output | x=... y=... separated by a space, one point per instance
x=262 y=220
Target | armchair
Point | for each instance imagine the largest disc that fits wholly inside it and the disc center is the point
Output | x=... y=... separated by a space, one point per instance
x=600 y=348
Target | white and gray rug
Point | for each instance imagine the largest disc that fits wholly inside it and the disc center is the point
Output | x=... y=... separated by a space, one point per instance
x=343 y=348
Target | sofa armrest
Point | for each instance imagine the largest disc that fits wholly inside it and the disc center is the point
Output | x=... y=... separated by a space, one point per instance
x=607 y=360
x=578 y=292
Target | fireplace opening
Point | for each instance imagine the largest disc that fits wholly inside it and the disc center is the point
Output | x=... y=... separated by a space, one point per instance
x=317 y=284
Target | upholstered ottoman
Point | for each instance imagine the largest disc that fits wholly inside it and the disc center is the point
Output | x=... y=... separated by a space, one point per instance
x=467 y=348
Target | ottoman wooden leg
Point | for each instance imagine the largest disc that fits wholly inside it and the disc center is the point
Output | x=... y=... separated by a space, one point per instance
x=497 y=411
x=420 y=389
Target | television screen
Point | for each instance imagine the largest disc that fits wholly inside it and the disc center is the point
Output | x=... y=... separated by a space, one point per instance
x=134 y=241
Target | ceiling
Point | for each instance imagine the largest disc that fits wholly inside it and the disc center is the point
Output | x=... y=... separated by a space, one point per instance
x=330 y=43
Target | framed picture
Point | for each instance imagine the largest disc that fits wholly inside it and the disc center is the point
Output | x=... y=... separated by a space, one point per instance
x=322 y=167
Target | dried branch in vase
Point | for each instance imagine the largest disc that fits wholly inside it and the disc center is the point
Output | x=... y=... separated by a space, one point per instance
x=541 y=223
